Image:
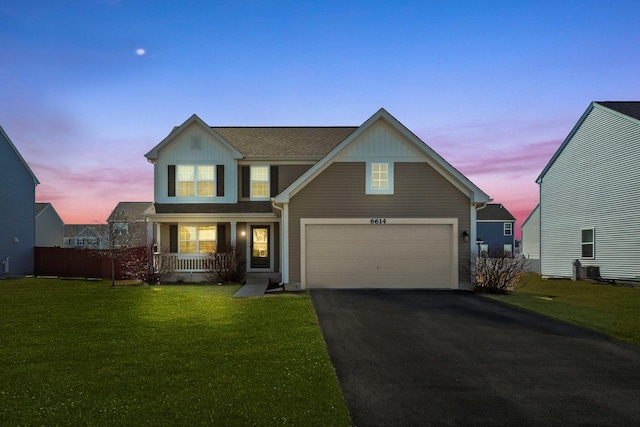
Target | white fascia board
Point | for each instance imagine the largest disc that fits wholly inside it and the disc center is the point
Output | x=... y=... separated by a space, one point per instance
x=153 y=154
x=449 y=172
x=566 y=141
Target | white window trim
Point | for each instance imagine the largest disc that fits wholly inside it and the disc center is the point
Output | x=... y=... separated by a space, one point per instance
x=195 y=181
x=593 y=243
x=509 y=229
x=197 y=239
x=251 y=181
x=369 y=180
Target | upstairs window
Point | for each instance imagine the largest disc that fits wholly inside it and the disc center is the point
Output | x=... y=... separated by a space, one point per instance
x=379 y=178
x=259 y=182
x=508 y=229
x=588 y=243
x=196 y=181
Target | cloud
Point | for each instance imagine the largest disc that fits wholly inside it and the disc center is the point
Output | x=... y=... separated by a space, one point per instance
x=140 y=51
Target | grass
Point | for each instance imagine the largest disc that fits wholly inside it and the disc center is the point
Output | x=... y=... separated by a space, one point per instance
x=610 y=309
x=81 y=353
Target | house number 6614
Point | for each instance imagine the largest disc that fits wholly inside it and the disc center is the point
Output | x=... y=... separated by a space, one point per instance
x=378 y=221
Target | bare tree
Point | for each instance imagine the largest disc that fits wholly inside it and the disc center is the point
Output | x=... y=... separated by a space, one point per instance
x=142 y=264
x=496 y=271
x=228 y=265
x=124 y=234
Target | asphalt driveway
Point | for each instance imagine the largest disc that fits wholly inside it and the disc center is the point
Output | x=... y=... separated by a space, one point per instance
x=453 y=358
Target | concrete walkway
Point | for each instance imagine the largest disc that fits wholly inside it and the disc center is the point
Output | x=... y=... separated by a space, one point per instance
x=251 y=290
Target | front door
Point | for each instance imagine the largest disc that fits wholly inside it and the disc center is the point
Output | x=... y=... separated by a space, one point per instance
x=260 y=256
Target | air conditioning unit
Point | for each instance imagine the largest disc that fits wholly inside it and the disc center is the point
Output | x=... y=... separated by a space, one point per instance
x=591 y=272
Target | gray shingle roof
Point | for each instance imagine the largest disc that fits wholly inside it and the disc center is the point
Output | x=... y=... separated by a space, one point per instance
x=628 y=108
x=284 y=141
x=40 y=207
x=133 y=211
x=494 y=212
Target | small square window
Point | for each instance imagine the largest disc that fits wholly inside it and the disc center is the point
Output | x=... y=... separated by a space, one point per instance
x=379 y=178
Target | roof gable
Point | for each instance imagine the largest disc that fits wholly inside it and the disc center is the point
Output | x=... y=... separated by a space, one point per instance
x=129 y=211
x=494 y=212
x=13 y=147
x=434 y=159
x=176 y=132
x=627 y=110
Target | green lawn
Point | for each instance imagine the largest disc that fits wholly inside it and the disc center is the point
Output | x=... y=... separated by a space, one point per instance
x=81 y=353
x=612 y=309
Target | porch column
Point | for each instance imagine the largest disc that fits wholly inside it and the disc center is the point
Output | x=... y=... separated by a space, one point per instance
x=233 y=231
x=158 y=237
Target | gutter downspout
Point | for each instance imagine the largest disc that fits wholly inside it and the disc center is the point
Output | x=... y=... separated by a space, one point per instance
x=284 y=241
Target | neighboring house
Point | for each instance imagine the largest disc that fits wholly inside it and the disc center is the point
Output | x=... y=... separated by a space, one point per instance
x=531 y=239
x=496 y=230
x=86 y=236
x=49 y=226
x=129 y=225
x=364 y=206
x=17 y=205
x=590 y=193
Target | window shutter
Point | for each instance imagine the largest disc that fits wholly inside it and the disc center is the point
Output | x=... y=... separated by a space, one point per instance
x=274 y=181
x=220 y=181
x=222 y=238
x=246 y=181
x=171 y=181
x=173 y=238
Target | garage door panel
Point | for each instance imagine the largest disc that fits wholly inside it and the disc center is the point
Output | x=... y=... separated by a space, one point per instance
x=390 y=255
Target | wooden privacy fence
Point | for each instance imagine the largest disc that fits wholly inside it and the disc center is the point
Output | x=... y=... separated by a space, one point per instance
x=73 y=262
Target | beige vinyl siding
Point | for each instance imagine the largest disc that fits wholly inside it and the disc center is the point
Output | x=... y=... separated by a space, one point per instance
x=594 y=183
x=287 y=174
x=339 y=192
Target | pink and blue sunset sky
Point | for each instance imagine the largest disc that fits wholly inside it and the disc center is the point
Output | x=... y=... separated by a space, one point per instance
x=88 y=87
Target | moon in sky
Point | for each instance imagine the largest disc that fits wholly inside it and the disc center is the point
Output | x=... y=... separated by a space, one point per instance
x=140 y=52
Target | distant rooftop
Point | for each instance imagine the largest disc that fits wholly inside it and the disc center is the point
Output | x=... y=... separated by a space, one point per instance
x=495 y=212
x=628 y=108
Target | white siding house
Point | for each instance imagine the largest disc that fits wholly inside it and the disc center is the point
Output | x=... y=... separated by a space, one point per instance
x=530 y=247
x=590 y=193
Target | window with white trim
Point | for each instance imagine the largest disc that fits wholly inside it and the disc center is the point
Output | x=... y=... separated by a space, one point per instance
x=588 y=243
x=508 y=229
x=379 y=178
x=484 y=249
x=508 y=249
x=259 y=182
x=194 y=239
x=198 y=181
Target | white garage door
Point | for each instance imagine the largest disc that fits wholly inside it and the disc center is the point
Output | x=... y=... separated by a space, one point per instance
x=379 y=256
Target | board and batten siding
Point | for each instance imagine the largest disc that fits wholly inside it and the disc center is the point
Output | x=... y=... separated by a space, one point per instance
x=195 y=146
x=17 y=213
x=339 y=192
x=594 y=183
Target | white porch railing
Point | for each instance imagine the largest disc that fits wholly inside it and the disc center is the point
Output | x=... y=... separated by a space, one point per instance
x=182 y=262
x=185 y=262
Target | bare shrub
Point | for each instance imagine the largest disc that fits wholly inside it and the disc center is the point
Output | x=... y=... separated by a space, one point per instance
x=142 y=264
x=497 y=272
x=228 y=265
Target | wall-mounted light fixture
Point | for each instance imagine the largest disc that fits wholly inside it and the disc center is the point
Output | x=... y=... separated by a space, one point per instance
x=242 y=233
x=465 y=236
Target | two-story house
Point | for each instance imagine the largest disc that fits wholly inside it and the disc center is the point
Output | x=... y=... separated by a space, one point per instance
x=496 y=230
x=17 y=212
x=362 y=206
x=589 y=196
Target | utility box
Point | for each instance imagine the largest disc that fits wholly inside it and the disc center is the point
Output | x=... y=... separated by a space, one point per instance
x=591 y=272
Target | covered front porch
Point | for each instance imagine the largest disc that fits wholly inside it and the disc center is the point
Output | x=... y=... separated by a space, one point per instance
x=188 y=244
